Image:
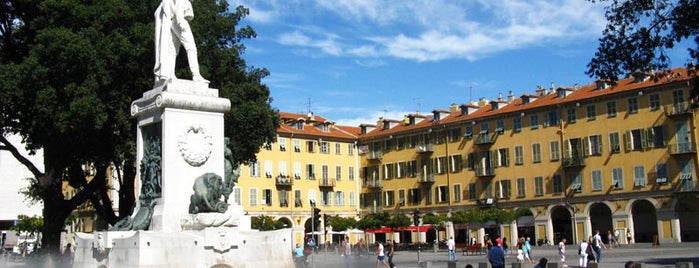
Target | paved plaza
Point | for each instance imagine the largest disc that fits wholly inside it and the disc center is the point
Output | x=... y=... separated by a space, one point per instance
x=665 y=256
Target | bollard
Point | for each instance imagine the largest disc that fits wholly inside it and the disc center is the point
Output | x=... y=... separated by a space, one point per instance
x=684 y=265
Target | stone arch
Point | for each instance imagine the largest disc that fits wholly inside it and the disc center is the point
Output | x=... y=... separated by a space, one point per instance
x=562 y=223
x=600 y=214
x=525 y=225
x=288 y=223
x=687 y=209
x=644 y=215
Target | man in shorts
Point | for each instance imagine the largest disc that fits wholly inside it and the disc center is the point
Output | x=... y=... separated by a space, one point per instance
x=381 y=259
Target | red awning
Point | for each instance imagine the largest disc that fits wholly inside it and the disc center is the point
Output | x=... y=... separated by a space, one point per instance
x=383 y=230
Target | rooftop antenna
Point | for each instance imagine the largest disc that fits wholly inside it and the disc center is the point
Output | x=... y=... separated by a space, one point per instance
x=309 y=105
x=470 y=93
x=419 y=106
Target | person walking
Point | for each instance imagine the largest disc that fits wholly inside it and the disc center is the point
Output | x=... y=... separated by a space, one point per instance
x=562 y=251
x=347 y=252
x=381 y=255
x=451 y=247
x=496 y=256
x=582 y=251
x=599 y=245
x=391 y=250
x=527 y=249
x=629 y=238
x=616 y=238
x=610 y=239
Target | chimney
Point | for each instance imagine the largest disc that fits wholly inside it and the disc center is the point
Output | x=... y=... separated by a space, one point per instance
x=453 y=108
x=540 y=90
x=482 y=102
x=510 y=97
x=311 y=117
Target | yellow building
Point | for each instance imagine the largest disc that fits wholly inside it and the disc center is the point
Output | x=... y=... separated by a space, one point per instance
x=313 y=161
x=583 y=158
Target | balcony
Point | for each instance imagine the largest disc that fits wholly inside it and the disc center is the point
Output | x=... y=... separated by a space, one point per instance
x=573 y=161
x=283 y=180
x=678 y=109
x=682 y=148
x=372 y=184
x=687 y=185
x=487 y=202
x=425 y=178
x=484 y=171
x=424 y=148
x=373 y=155
x=326 y=182
x=486 y=139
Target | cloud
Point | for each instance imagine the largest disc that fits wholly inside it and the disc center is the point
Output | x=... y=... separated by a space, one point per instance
x=327 y=45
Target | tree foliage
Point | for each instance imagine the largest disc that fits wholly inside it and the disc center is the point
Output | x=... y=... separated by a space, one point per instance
x=68 y=72
x=373 y=221
x=30 y=225
x=638 y=33
x=340 y=224
x=399 y=221
x=265 y=223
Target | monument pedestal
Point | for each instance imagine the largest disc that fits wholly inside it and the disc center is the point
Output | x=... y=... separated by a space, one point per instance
x=180 y=147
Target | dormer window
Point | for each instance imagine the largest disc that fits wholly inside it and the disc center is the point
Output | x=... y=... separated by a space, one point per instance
x=298 y=125
x=601 y=84
x=411 y=119
x=325 y=127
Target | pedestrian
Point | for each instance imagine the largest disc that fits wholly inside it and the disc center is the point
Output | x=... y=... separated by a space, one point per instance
x=496 y=257
x=347 y=252
x=66 y=259
x=562 y=251
x=582 y=251
x=629 y=238
x=451 y=247
x=542 y=263
x=610 y=238
x=616 y=238
x=391 y=249
x=599 y=245
x=520 y=251
x=505 y=247
x=656 y=241
x=527 y=248
x=381 y=255
x=592 y=251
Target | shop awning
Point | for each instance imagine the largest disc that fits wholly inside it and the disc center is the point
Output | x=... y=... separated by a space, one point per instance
x=383 y=230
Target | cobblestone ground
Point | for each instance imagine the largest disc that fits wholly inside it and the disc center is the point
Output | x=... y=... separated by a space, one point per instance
x=665 y=256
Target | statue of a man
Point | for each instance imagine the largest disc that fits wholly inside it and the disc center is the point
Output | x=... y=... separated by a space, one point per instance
x=172 y=30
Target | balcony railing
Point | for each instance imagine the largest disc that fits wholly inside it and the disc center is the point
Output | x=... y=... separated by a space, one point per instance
x=482 y=171
x=687 y=186
x=677 y=109
x=373 y=155
x=486 y=138
x=425 y=178
x=573 y=161
x=424 y=148
x=682 y=148
x=377 y=184
x=284 y=180
x=326 y=182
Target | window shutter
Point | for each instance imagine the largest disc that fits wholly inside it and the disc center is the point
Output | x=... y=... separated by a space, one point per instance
x=566 y=149
x=586 y=146
x=644 y=138
x=507 y=156
x=599 y=144
x=627 y=141
x=665 y=135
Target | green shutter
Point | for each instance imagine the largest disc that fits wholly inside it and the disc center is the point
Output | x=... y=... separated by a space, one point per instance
x=586 y=146
x=627 y=140
x=644 y=138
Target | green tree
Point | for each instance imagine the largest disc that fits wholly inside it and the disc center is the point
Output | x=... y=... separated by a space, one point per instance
x=68 y=72
x=30 y=226
x=437 y=220
x=265 y=223
x=638 y=33
x=340 y=224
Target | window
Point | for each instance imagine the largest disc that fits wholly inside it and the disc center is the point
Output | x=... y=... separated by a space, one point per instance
x=536 y=153
x=414 y=196
x=596 y=180
x=237 y=196
x=412 y=168
x=654 y=101
x=635 y=140
x=324 y=173
x=267 y=197
x=310 y=172
x=268 y=146
x=551 y=118
x=594 y=144
x=428 y=195
x=504 y=189
x=632 y=105
x=517 y=124
x=534 y=121
x=617 y=178
x=614 y=143
x=575 y=180
x=311 y=195
x=310 y=146
x=455 y=163
x=350 y=149
x=591 y=112
x=338 y=173
x=338 y=148
x=339 y=198
x=351 y=199
x=400 y=143
x=252 y=199
x=468 y=132
x=472 y=191
x=519 y=155
x=611 y=109
x=254 y=168
x=487 y=189
x=657 y=135
x=471 y=161
x=557 y=184
x=297 y=170
x=325 y=198
x=521 y=189
x=454 y=134
x=401 y=197
x=639 y=176
x=324 y=147
x=539 y=186
x=457 y=192
x=297 y=145
x=297 y=199
x=282 y=144
x=442 y=194
x=555 y=151
x=661 y=173
x=500 y=127
x=268 y=169
x=388 y=197
x=388 y=145
x=571 y=116
x=282 y=169
x=503 y=157
x=350 y=173
x=441 y=165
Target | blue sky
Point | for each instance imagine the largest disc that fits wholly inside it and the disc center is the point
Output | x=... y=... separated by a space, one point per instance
x=357 y=60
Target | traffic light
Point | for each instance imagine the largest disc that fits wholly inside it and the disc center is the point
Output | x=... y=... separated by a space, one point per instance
x=325 y=222
x=316 y=219
x=416 y=217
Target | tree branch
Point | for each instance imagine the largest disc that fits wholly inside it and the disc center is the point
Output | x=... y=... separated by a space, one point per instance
x=7 y=146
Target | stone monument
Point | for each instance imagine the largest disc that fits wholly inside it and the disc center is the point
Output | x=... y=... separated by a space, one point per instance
x=183 y=216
